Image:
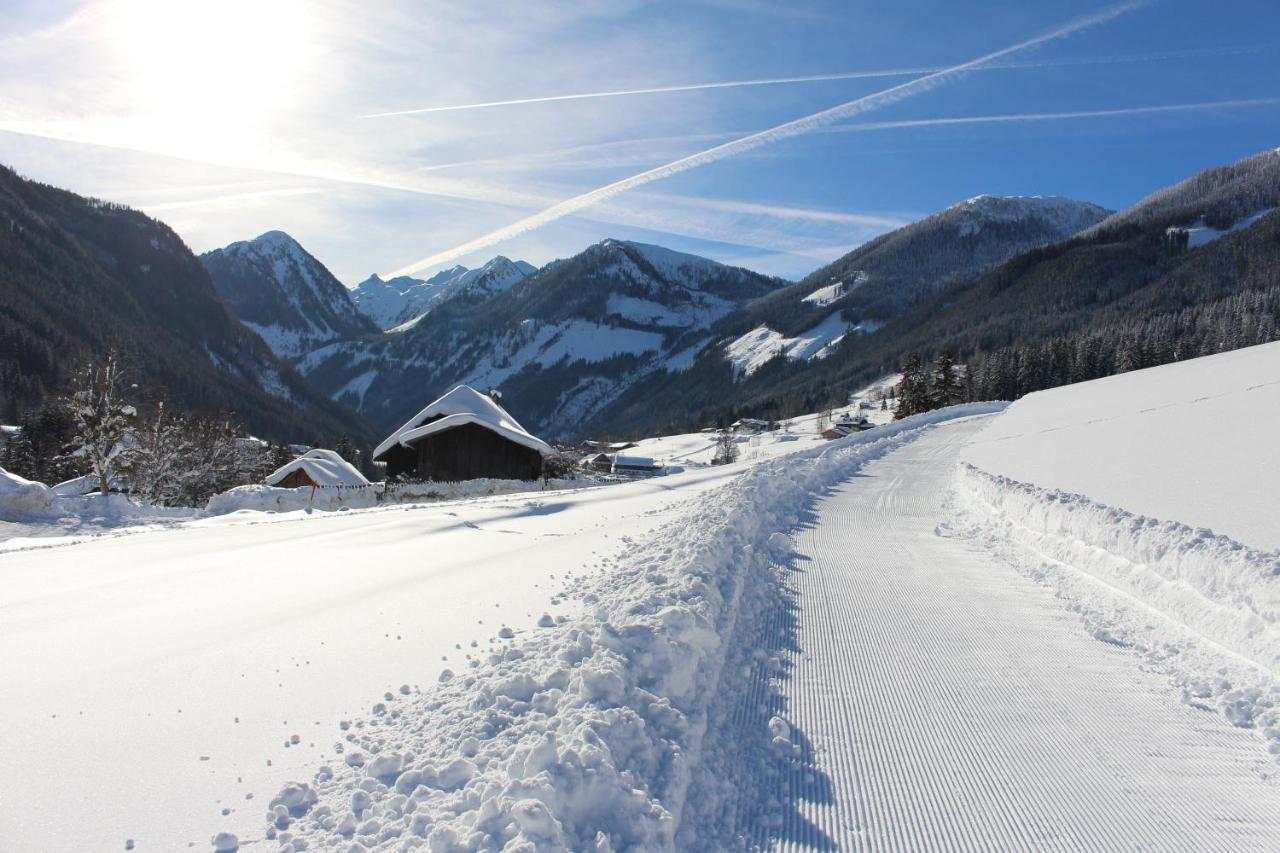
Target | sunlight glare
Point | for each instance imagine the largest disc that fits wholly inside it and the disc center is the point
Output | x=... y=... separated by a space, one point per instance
x=211 y=72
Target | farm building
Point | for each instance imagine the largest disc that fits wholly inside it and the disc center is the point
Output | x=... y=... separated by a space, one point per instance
x=749 y=425
x=317 y=467
x=620 y=464
x=464 y=435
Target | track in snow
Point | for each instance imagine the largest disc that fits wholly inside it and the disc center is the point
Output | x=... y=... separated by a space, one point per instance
x=938 y=700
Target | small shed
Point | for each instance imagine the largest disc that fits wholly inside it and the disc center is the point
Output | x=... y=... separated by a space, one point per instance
x=464 y=435
x=316 y=467
x=88 y=485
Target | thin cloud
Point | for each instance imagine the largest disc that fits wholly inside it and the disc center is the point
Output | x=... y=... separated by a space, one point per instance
x=213 y=201
x=827 y=78
x=796 y=127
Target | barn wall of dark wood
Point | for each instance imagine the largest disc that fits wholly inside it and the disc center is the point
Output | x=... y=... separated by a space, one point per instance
x=469 y=452
x=401 y=462
x=296 y=479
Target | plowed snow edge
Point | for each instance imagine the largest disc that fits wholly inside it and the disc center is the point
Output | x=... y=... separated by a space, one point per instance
x=1203 y=608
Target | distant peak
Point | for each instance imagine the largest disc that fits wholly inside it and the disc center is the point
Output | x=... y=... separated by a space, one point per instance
x=276 y=239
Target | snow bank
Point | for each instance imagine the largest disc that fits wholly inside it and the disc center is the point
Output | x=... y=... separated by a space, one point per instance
x=1217 y=632
x=584 y=735
x=37 y=510
x=22 y=499
x=1219 y=588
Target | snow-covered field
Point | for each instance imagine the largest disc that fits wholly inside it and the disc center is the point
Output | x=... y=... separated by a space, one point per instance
x=965 y=630
x=156 y=678
x=1193 y=442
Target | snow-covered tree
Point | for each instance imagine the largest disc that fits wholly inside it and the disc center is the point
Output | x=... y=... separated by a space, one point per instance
x=103 y=421
x=162 y=451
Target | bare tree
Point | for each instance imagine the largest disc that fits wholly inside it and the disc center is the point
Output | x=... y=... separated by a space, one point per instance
x=726 y=449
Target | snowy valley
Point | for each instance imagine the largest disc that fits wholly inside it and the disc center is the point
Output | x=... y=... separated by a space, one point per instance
x=965 y=540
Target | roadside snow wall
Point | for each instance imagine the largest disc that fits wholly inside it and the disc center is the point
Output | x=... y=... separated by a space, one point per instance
x=1215 y=586
x=260 y=498
x=582 y=735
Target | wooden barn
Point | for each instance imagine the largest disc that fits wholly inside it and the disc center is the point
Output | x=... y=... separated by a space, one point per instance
x=464 y=435
x=317 y=467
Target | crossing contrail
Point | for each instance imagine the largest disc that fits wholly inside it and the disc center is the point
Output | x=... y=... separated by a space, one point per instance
x=1195 y=106
x=795 y=127
x=825 y=78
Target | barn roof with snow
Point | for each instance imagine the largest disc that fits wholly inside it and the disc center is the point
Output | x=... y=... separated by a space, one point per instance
x=318 y=467
x=463 y=435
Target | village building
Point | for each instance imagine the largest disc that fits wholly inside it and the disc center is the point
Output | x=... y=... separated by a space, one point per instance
x=617 y=463
x=464 y=435
x=318 y=467
x=749 y=425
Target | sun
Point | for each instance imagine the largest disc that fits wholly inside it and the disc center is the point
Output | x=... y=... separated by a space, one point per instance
x=212 y=72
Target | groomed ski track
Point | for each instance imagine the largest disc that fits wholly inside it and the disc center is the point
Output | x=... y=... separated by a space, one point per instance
x=936 y=699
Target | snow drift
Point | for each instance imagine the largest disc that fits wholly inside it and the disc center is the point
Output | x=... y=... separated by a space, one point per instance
x=584 y=736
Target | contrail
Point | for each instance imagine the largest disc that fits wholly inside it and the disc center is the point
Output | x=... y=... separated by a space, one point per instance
x=655 y=90
x=796 y=127
x=825 y=78
x=1058 y=116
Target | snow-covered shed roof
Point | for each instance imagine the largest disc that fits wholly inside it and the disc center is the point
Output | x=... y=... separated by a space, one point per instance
x=637 y=462
x=462 y=405
x=324 y=467
x=86 y=485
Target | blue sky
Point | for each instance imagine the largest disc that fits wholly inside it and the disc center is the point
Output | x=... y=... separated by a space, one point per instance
x=226 y=119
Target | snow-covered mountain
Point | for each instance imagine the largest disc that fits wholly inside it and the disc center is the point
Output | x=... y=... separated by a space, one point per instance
x=561 y=343
x=284 y=294
x=880 y=279
x=403 y=299
x=877 y=282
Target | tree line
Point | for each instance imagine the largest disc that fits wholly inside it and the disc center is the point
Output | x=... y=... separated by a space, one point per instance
x=155 y=451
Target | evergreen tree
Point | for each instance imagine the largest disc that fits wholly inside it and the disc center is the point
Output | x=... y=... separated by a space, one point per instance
x=913 y=389
x=344 y=448
x=946 y=389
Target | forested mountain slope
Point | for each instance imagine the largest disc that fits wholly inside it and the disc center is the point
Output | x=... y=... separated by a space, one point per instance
x=79 y=277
